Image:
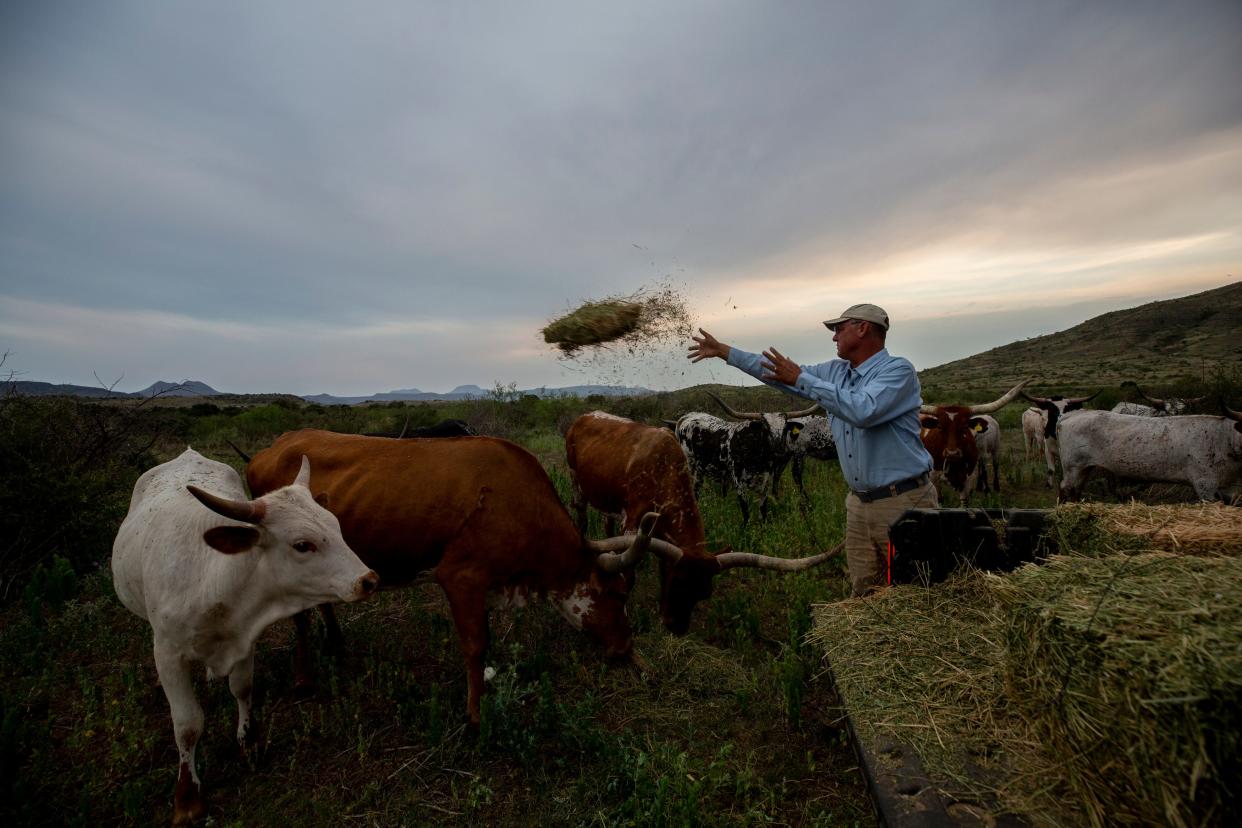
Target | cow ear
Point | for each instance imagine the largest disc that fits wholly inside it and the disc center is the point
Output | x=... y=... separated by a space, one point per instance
x=322 y=499
x=231 y=540
x=978 y=425
x=793 y=429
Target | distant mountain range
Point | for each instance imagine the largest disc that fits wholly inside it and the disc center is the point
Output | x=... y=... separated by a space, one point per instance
x=196 y=388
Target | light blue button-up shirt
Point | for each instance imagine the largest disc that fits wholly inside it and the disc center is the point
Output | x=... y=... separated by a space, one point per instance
x=875 y=413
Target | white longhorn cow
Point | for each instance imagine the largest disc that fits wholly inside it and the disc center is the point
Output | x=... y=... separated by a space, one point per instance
x=988 y=442
x=1201 y=450
x=1034 y=421
x=210 y=569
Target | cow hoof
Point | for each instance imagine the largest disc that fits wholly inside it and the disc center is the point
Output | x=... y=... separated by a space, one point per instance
x=188 y=808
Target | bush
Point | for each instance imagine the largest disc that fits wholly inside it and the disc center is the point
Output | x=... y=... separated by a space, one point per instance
x=68 y=471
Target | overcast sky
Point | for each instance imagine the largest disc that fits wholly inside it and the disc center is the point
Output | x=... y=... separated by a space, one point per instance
x=352 y=198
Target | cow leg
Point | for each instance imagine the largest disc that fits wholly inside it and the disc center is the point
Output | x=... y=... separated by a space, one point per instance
x=580 y=507
x=745 y=507
x=468 y=603
x=796 y=471
x=995 y=475
x=336 y=641
x=303 y=671
x=241 y=684
x=187 y=718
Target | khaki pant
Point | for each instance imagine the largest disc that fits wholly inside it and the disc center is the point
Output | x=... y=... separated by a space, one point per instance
x=866 y=533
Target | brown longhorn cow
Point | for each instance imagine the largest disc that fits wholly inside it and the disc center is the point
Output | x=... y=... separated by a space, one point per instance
x=621 y=467
x=948 y=433
x=480 y=514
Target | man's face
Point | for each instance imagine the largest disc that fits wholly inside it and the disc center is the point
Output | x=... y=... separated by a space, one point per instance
x=847 y=335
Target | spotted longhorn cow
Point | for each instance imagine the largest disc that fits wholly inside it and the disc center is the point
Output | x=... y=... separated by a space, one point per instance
x=806 y=437
x=444 y=428
x=948 y=433
x=1200 y=450
x=210 y=569
x=481 y=515
x=1167 y=407
x=628 y=468
x=740 y=455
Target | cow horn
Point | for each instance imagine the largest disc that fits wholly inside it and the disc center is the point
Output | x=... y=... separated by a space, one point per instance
x=1229 y=412
x=1040 y=401
x=670 y=423
x=806 y=412
x=611 y=560
x=247 y=511
x=997 y=405
x=1081 y=400
x=405 y=427
x=730 y=560
x=1157 y=402
x=303 y=478
x=245 y=457
x=739 y=414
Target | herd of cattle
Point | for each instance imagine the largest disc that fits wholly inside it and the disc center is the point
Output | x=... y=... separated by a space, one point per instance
x=333 y=517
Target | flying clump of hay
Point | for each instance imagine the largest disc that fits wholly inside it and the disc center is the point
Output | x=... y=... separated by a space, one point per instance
x=643 y=319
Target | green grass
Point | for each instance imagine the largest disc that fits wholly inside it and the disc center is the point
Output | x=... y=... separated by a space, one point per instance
x=735 y=725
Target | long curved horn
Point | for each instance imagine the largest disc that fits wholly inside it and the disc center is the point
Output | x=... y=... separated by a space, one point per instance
x=1081 y=400
x=804 y=413
x=1157 y=402
x=996 y=405
x=1037 y=400
x=247 y=511
x=751 y=415
x=245 y=458
x=1229 y=412
x=610 y=560
x=927 y=409
x=405 y=427
x=730 y=560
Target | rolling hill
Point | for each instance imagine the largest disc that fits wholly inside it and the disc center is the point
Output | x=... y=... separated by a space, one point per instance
x=1176 y=343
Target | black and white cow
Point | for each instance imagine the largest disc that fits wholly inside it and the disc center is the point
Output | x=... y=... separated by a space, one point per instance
x=1055 y=408
x=444 y=428
x=741 y=455
x=806 y=437
x=1203 y=451
x=1167 y=407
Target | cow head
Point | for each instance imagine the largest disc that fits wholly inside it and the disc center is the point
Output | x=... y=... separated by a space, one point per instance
x=777 y=423
x=1055 y=407
x=948 y=433
x=598 y=604
x=1169 y=405
x=300 y=557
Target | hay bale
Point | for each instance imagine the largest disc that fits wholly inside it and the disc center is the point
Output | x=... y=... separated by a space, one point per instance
x=923 y=666
x=1130 y=667
x=593 y=323
x=1101 y=528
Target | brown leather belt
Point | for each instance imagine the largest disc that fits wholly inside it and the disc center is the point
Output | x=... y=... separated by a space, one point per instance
x=893 y=489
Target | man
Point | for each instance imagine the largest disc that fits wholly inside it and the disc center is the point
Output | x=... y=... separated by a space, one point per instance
x=874 y=400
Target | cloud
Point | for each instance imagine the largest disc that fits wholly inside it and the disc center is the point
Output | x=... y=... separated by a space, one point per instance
x=410 y=194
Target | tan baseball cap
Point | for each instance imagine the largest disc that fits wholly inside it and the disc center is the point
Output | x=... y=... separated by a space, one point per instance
x=867 y=313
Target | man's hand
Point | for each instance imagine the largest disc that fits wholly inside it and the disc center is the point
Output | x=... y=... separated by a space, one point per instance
x=779 y=367
x=706 y=346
